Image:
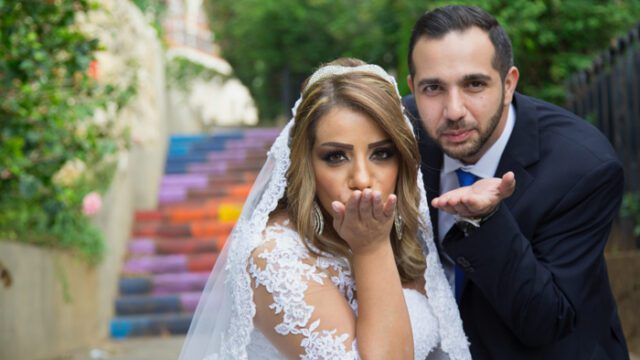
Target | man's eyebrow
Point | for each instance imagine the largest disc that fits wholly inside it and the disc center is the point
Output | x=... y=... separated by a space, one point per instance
x=429 y=81
x=379 y=143
x=338 y=145
x=477 y=77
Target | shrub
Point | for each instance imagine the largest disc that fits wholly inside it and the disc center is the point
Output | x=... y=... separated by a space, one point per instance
x=55 y=143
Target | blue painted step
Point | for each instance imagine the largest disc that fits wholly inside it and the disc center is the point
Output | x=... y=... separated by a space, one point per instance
x=137 y=304
x=145 y=325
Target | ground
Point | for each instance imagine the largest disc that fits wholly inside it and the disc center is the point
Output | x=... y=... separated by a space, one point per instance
x=156 y=348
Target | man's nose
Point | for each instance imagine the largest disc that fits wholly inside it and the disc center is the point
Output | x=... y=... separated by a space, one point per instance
x=455 y=108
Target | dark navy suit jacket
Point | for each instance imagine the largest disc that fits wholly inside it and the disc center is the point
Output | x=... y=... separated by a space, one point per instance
x=536 y=284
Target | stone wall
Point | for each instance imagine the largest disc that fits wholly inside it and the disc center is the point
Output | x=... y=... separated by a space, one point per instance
x=52 y=303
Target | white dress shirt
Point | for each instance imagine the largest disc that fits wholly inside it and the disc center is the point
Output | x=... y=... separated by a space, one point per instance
x=484 y=168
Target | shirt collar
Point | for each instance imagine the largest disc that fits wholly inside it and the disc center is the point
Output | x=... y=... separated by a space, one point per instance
x=488 y=163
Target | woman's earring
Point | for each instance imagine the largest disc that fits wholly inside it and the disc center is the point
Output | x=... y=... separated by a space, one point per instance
x=399 y=225
x=318 y=219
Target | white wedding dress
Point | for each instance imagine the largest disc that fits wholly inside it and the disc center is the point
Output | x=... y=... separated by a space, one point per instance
x=288 y=270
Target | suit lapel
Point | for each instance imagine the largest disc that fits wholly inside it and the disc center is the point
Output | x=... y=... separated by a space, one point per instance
x=523 y=148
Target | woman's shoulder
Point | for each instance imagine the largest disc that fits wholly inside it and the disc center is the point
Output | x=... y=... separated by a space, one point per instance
x=280 y=237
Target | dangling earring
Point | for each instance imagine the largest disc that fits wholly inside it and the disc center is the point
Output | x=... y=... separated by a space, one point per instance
x=399 y=226
x=318 y=219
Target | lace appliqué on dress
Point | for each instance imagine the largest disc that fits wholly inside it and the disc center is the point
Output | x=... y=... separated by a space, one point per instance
x=288 y=270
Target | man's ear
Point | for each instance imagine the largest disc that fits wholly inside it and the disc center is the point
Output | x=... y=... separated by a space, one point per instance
x=510 y=83
x=410 y=83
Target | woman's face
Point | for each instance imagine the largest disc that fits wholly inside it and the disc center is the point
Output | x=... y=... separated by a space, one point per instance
x=351 y=152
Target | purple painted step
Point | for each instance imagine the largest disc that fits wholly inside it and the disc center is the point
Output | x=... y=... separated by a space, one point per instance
x=142 y=246
x=156 y=264
x=179 y=282
x=218 y=168
x=187 y=180
x=168 y=196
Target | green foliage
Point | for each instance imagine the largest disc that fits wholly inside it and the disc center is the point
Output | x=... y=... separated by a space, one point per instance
x=182 y=71
x=154 y=10
x=273 y=45
x=48 y=99
x=631 y=209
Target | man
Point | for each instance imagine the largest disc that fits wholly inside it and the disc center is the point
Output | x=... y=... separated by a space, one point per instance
x=525 y=247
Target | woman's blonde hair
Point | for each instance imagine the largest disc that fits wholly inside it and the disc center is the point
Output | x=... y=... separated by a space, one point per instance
x=376 y=98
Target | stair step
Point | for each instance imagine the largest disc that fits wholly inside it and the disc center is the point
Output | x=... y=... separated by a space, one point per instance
x=173 y=248
x=160 y=264
x=146 y=325
x=162 y=284
x=196 y=229
x=157 y=304
x=148 y=246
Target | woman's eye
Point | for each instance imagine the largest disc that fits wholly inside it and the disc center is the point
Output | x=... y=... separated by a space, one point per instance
x=334 y=157
x=383 y=154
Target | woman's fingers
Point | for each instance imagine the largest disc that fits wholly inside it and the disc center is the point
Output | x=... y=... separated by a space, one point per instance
x=338 y=214
x=378 y=206
x=366 y=205
x=390 y=205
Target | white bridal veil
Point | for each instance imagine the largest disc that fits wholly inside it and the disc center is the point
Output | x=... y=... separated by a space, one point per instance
x=223 y=321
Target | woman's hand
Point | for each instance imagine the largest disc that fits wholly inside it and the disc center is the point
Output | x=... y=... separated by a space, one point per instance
x=365 y=221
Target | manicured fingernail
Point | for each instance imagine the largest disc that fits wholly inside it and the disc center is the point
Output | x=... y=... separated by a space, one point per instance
x=377 y=196
x=334 y=206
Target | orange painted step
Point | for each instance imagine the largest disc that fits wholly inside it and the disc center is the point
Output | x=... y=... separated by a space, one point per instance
x=211 y=228
x=241 y=190
x=191 y=213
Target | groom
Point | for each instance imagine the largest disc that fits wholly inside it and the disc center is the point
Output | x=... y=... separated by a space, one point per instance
x=528 y=268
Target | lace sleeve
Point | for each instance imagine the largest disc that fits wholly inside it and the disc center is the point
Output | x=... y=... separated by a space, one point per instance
x=299 y=306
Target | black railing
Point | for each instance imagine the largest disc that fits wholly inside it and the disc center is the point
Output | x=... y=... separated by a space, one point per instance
x=608 y=95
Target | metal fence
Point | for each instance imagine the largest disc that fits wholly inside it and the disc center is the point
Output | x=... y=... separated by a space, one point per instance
x=608 y=94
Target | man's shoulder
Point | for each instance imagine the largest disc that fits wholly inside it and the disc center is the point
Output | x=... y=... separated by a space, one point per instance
x=564 y=131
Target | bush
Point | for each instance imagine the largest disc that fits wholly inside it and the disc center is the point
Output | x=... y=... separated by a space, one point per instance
x=55 y=147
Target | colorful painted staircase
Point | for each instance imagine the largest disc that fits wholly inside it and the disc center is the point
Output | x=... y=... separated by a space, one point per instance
x=173 y=249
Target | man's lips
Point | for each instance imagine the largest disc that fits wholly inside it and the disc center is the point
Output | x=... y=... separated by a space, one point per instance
x=456 y=136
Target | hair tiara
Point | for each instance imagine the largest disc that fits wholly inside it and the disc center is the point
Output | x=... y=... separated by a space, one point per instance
x=332 y=70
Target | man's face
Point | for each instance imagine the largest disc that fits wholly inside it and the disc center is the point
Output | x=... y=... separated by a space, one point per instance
x=461 y=98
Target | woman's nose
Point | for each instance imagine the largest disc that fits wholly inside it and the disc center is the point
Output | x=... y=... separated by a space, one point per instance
x=360 y=177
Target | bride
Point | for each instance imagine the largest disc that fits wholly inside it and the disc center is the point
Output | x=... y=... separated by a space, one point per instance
x=333 y=255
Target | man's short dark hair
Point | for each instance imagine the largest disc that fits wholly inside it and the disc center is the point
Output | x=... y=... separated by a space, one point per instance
x=437 y=23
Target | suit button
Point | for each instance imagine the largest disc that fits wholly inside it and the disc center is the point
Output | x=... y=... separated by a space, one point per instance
x=462 y=261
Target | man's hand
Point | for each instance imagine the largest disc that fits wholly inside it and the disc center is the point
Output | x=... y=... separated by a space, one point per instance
x=477 y=200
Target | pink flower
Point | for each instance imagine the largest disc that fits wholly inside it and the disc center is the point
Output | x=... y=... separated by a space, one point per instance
x=94 y=70
x=91 y=203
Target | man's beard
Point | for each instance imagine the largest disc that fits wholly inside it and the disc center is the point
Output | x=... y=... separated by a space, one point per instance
x=471 y=150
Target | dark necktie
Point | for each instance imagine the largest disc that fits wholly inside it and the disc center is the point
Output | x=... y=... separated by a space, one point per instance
x=464 y=179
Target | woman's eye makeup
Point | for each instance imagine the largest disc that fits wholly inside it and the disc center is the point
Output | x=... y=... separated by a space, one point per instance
x=383 y=153
x=333 y=157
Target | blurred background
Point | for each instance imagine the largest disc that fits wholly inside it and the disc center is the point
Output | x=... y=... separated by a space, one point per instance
x=131 y=131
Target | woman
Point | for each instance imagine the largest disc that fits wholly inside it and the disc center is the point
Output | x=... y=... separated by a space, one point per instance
x=332 y=240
